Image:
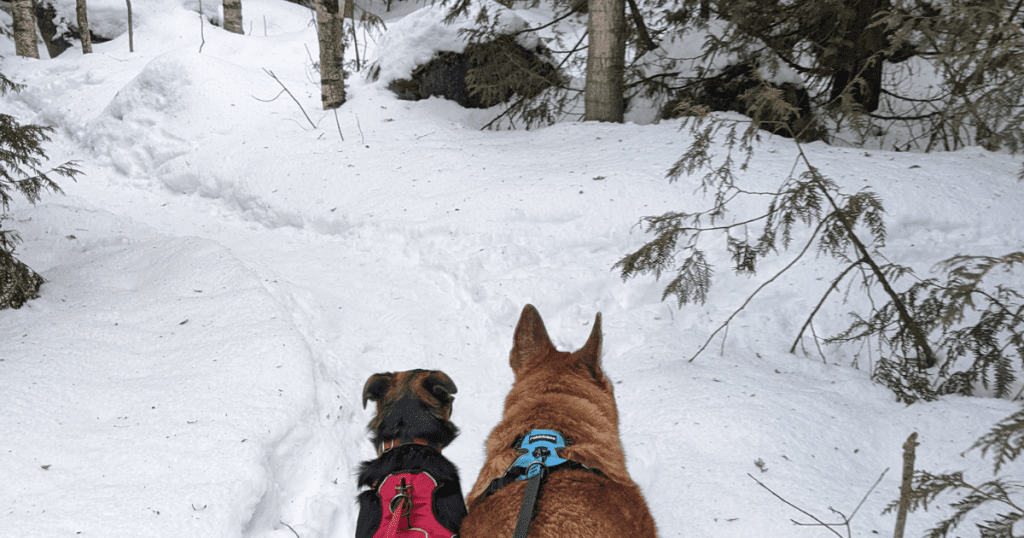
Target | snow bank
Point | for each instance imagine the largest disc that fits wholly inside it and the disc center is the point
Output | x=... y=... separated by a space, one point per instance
x=164 y=347
x=177 y=103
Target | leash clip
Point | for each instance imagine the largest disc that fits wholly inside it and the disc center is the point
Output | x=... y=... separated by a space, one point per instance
x=402 y=500
x=534 y=469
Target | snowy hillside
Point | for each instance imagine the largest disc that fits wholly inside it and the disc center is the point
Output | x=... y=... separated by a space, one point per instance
x=224 y=277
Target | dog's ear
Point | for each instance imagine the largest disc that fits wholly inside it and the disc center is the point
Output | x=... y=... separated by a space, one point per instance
x=376 y=387
x=530 y=339
x=440 y=385
x=589 y=356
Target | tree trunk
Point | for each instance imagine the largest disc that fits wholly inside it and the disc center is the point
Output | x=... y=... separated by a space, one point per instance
x=862 y=58
x=606 y=61
x=24 y=29
x=83 y=27
x=906 y=485
x=233 y=16
x=331 y=29
x=131 y=33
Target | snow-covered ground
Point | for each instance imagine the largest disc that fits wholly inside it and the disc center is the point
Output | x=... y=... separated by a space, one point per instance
x=224 y=277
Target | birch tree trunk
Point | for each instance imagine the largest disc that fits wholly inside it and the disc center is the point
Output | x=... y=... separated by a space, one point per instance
x=233 y=16
x=83 y=27
x=24 y=29
x=331 y=30
x=606 y=61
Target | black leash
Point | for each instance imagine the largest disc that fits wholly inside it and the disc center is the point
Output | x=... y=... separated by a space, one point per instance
x=539 y=456
x=529 y=501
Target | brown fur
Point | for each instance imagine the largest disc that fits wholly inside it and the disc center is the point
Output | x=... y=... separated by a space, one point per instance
x=567 y=392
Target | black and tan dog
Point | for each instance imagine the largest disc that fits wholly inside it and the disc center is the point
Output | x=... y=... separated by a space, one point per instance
x=414 y=490
x=560 y=436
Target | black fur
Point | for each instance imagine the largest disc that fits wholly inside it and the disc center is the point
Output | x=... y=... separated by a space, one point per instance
x=449 y=506
x=410 y=418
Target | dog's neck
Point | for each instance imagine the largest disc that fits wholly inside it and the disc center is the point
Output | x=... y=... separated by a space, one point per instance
x=392 y=443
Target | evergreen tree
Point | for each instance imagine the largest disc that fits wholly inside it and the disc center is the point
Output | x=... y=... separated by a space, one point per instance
x=21 y=155
x=832 y=41
x=975 y=48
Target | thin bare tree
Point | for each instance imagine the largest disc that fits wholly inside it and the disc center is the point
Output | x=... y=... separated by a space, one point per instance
x=606 y=61
x=83 y=27
x=331 y=30
x=233 y=16
x=24 y=28
x=131 y=33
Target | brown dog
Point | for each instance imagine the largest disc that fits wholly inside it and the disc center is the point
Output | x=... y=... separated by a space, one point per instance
x=590 y=495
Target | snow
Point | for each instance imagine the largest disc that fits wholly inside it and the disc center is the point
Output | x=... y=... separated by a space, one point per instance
x=414 y=39
x=225 y=276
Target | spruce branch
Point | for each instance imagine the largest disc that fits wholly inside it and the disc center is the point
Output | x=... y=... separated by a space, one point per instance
x=1005 y=440
x=920 y=339
x=22 y=171
x=758 y=290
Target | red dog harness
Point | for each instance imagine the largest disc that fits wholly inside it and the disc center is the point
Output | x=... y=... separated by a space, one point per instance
x=407 y=501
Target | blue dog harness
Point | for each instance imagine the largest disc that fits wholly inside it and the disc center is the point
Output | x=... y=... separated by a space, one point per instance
x=540 y=449
x=539 y=454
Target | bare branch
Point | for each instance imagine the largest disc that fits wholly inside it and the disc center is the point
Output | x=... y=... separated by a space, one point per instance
x=273 y=76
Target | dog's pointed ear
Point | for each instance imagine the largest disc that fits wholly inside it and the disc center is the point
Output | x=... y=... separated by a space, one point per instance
x=590 y=354
x=376 y=387
x=440 y=385
x=530 y=339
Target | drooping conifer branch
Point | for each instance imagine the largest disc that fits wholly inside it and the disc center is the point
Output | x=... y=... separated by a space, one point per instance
x=920 y=339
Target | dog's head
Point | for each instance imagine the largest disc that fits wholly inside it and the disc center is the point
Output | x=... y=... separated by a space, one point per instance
x=548 y=380
x=533 y=354
x=416 y=404
x=561 y=391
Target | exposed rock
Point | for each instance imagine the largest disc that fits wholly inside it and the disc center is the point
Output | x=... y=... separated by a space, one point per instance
x=500 y=69
x=737 y=89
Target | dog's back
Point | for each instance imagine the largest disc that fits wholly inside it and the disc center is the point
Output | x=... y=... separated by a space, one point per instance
x=568 y=393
